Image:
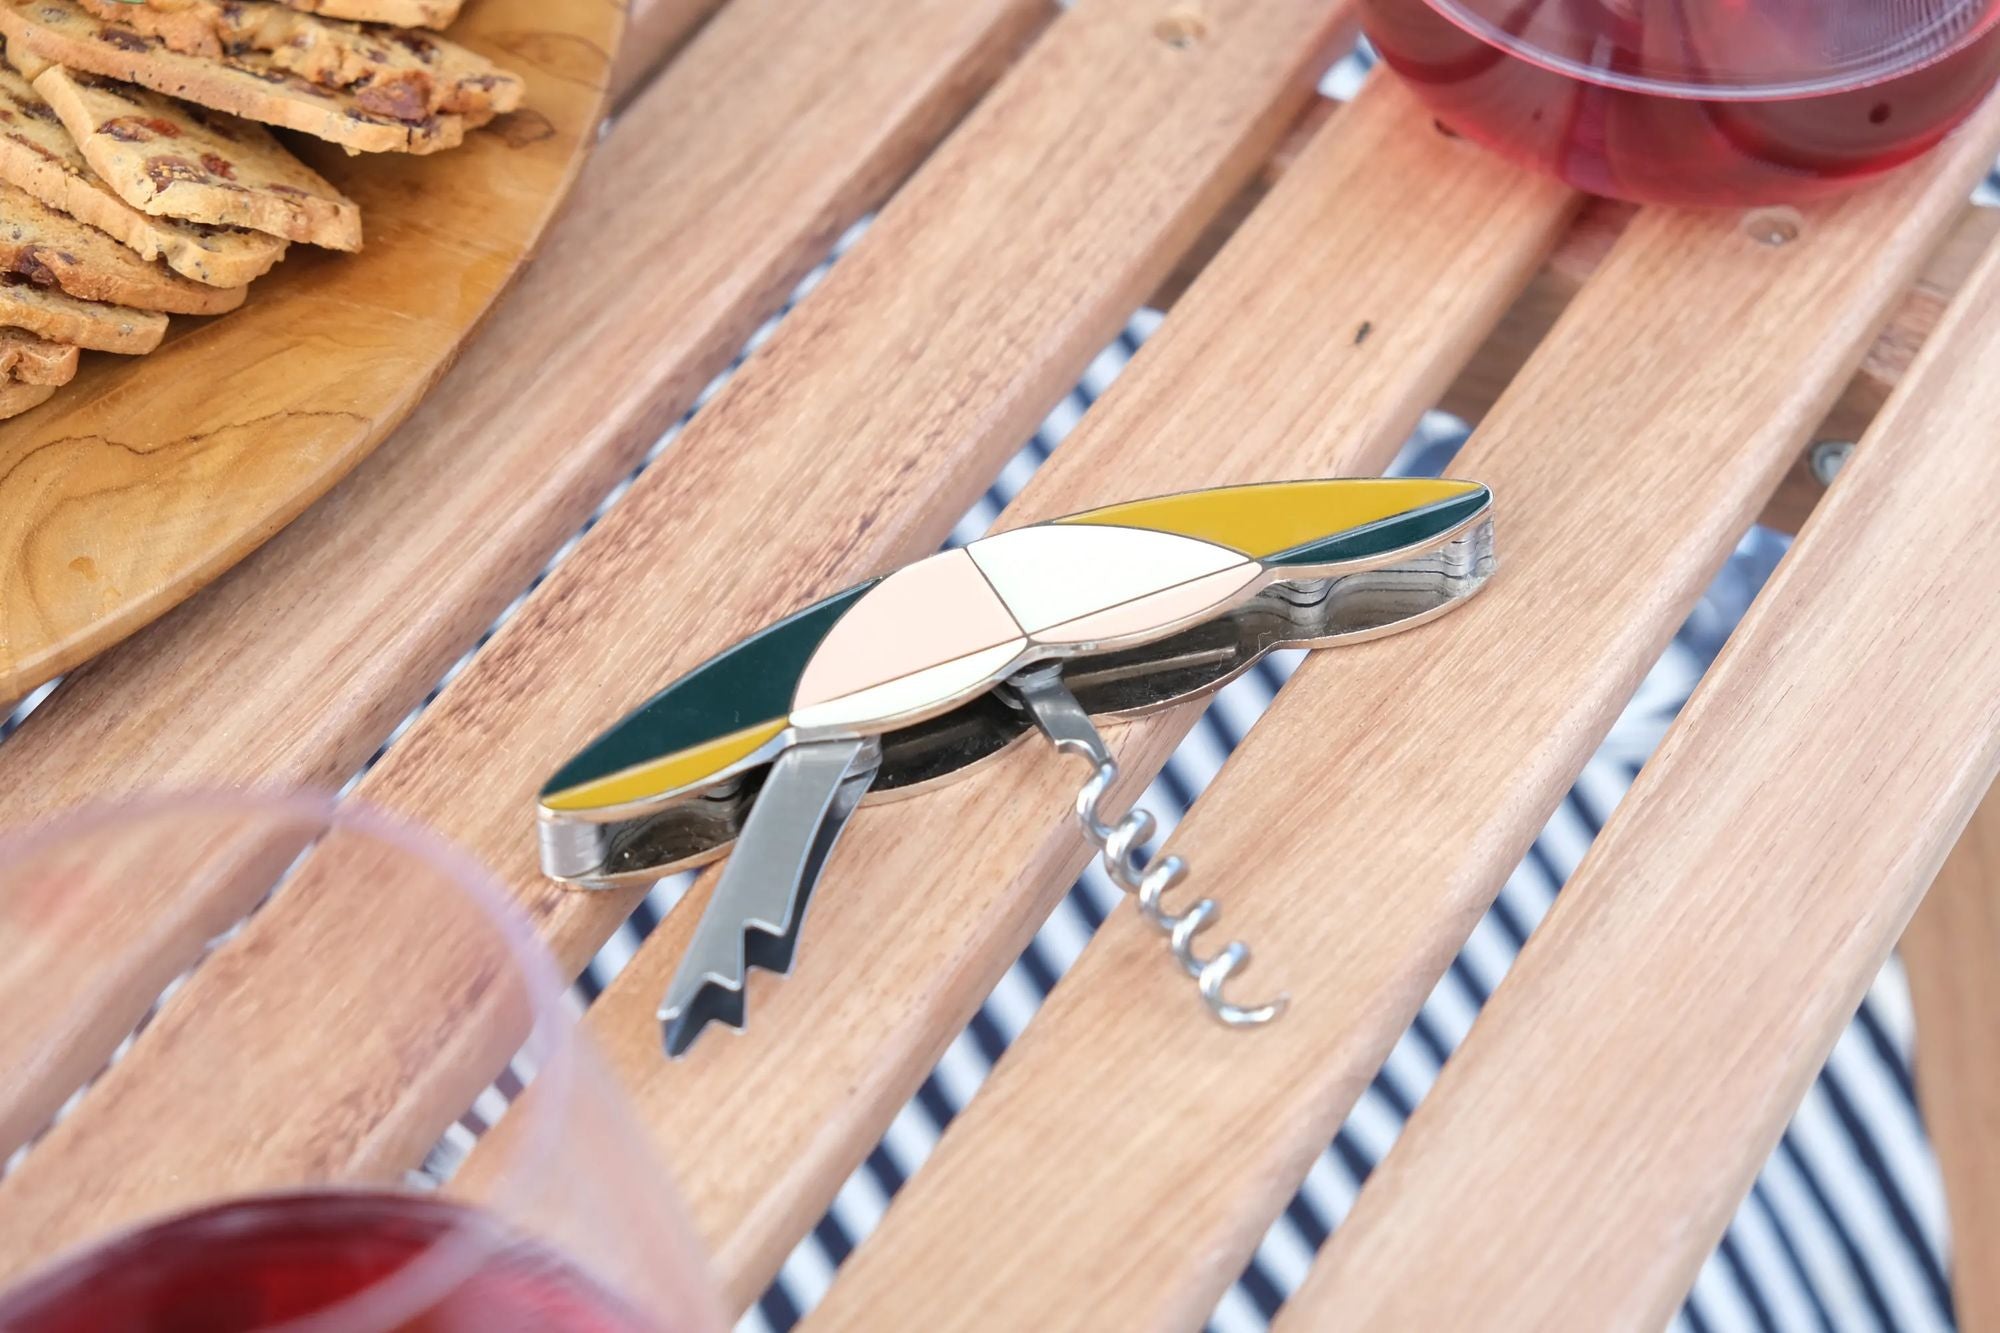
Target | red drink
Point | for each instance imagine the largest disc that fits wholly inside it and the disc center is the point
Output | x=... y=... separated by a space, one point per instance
x=1728 y=102
x=264 y=1263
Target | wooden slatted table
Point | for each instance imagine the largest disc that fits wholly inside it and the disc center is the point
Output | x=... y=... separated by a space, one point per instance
x=1644 y=383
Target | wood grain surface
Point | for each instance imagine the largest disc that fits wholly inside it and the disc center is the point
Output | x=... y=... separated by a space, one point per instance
x=149 y=476
x=654 y=30
x=1725 y=925
x=1908 y=329
x=72 y=1004
x=1361 y=830
x=1590 y=239
x=904 y=382
x=1952 y=954
x=290 y=671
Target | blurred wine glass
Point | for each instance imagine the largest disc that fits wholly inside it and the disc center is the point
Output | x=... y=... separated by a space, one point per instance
x=1721 y=102
x=559 y=1219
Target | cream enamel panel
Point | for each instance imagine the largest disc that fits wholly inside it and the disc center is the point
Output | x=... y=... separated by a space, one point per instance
x=932 y=612
x=921 y=692
x=1158 y=613
x=1050 y=575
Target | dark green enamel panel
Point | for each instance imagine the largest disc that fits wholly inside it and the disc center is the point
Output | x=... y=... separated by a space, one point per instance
x=1391 y=534
x=751 y=683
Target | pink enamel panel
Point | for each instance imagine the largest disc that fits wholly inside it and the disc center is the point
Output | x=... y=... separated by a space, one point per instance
x=920 y=694
x=932 y=612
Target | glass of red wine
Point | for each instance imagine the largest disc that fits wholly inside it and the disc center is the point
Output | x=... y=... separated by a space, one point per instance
x=542 y=1209
x=1711 y=102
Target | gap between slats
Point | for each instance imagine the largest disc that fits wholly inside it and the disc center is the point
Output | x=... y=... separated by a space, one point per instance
x=1627 y=459
x=1902 y=336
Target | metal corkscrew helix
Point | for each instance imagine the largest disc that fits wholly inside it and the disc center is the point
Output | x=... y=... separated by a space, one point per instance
x=1123 y=843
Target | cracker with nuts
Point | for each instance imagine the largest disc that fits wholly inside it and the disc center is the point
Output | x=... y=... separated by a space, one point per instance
x=172 y=160
x=53 y=249
x=397 y=13
x=400 y=13
x=38 y=155
x=399 y=73
x=91 y=324
x=33 y=360
x=249 y=84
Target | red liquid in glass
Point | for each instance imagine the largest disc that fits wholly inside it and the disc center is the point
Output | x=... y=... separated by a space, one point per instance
x=1727 y=102
x=261 y=1263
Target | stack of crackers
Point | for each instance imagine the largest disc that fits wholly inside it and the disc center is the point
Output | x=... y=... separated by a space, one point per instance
x=138 y=180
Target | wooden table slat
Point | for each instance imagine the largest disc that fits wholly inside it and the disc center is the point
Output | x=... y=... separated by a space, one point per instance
x=291 y=670
x=1888 y=360
x=1719 y=935
x=1951 y=952
x=852 y=440
x=1358 y=834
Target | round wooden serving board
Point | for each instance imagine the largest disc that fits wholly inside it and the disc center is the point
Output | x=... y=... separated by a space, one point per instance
x=148 y=477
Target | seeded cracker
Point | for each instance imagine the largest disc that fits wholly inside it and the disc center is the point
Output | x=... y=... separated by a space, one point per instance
x=399 y=73
x=38 y=155
x=33 y=360
x=55 y=250
x=64 y=319
x=437 y=14
x=173 y=160
x=402 y=13
x=251 y=85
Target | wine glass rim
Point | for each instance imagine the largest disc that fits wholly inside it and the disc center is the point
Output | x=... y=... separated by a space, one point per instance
x=444 y=1264
x=1877 y=66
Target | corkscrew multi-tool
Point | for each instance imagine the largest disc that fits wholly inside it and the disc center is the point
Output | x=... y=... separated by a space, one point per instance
x=910 y=680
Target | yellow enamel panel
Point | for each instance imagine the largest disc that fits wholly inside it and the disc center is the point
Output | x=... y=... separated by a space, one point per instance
x=664 y=775
x=1265 y=519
